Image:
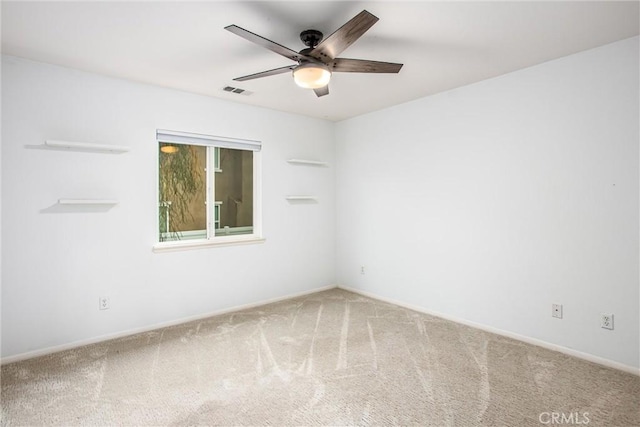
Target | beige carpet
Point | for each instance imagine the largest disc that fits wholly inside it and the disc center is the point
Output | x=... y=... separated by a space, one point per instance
x=332 y=358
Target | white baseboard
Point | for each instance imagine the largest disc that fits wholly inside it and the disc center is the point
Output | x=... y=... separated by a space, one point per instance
x=129 y=332
x=568 y=351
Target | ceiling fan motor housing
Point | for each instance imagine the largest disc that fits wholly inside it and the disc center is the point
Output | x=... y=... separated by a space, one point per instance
x=311 y=38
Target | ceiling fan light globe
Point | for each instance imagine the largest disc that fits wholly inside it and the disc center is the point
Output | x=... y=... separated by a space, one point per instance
x=311 y=76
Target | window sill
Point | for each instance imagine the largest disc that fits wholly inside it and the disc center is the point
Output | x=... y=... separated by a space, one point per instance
x=199 y=244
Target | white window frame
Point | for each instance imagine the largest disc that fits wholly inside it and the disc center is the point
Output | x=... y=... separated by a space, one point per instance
x=212 y=240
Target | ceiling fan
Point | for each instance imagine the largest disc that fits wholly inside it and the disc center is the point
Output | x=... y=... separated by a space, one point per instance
x=315 y=63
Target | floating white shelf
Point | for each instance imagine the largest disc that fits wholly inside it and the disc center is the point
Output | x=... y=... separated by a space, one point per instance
x=300 y=197
x=87 y=202
x=307 y=162
x=84 y=146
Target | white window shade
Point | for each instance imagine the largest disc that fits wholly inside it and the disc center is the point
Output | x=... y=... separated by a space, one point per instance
x=208 y=140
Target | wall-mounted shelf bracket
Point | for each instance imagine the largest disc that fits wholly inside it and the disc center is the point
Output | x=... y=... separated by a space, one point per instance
x=83 y=146
x=307 y=162
x=295 y=198
x=87 y=202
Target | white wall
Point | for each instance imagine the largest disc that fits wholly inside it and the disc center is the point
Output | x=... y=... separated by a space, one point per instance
x=56 y=265
x=487 y=203
x=490 y=202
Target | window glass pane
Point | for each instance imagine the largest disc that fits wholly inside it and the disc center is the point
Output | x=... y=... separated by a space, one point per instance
x=234 y=188
x=182 y=180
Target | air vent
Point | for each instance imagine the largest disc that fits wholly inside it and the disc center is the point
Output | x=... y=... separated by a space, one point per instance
x=236 y=90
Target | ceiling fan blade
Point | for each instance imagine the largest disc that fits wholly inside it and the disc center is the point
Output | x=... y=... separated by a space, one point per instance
x=266 y=43
x=266 y=73
x=322 y=91
x=344 y=36
x=344 y=65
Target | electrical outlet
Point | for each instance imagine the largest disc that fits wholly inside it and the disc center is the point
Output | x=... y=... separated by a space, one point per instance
x=362 y=269
x=556 y=310
x=104 y=303
x=606 y=321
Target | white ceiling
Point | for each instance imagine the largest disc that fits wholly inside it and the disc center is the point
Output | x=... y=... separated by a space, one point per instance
x=183 y=45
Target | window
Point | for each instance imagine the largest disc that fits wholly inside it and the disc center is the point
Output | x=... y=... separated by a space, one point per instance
x=207 y=190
